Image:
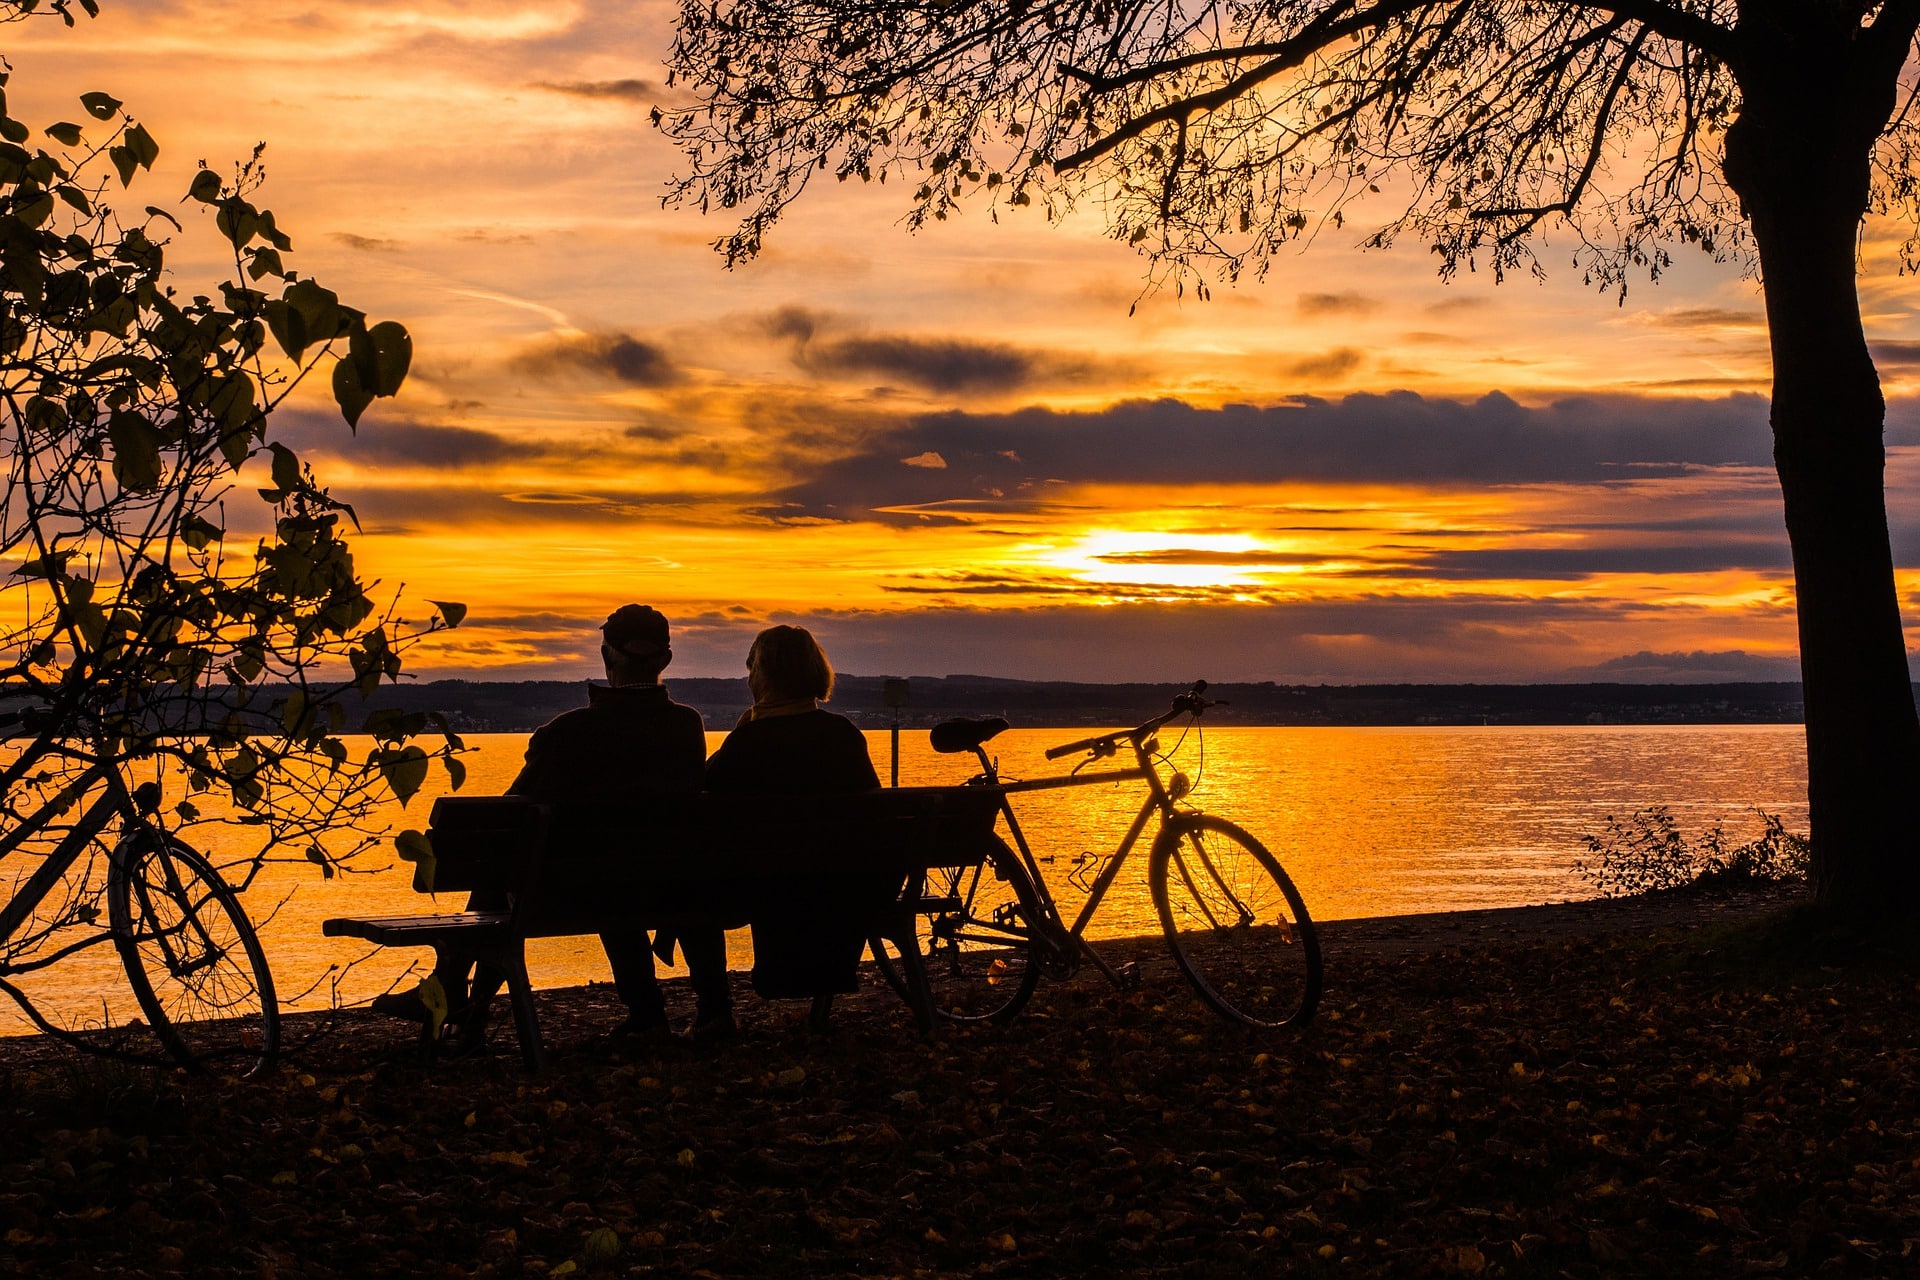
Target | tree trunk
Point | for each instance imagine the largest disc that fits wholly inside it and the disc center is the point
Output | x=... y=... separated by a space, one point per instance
x=1803 y=174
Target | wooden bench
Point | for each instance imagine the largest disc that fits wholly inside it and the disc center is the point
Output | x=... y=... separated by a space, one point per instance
x=580 y=869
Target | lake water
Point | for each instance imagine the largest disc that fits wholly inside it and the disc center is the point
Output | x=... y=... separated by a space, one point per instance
x=1368 y=821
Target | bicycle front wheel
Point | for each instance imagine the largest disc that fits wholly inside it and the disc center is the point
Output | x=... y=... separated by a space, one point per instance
x=1235 y=923
x=976 y=939
x=191 y=955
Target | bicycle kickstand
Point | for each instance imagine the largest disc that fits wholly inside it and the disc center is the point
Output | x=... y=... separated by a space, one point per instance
x=1124 y=977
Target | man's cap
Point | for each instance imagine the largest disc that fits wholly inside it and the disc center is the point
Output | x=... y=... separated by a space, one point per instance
x=637 y=631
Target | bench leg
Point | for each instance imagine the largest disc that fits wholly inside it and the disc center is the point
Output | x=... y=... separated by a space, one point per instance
x=526 y=1023
x=913 y=968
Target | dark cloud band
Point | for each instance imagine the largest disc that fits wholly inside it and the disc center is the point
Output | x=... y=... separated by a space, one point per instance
x=1397 y=438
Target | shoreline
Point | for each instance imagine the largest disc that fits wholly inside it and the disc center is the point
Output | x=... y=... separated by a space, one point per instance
x=523 y=705
x=571 y=1013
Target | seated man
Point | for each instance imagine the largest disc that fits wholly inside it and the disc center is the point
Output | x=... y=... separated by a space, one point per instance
x=630 y=740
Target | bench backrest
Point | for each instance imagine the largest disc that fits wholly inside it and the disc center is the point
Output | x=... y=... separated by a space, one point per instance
x=572 y=857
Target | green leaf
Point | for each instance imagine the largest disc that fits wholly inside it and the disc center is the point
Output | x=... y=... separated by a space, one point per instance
x=14 y=130
x=414 y=847
x=236 y=446
x=205 y=188
x=318 y=307
x=452 y=612
x=88 y=618
x=66 y=133
x=136 y=451
x=390 y=724
x=349 y=392
x=274 y=236
x=405 y=770
x=296 y=716
x=286 y=468
x=35 y=211
x=392 y=351
x=232 y=400
x=319 y=858
x=289 y=328
x=48 y=566
x=236 y=221
x=141 y=143
x=100 y=106
x=456 y=770
x=265 y=262
x=198 y=533
x=123 y=164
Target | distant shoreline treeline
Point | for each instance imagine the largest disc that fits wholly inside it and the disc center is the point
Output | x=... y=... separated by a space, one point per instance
x=478 y=706
x=510 y=707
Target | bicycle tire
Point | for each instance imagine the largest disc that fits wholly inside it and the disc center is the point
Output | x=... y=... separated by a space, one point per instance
x=191 y=955
x=980 y=953
x=1236 y=925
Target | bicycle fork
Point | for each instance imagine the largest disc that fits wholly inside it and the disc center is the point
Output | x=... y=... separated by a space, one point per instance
x=1065 y=946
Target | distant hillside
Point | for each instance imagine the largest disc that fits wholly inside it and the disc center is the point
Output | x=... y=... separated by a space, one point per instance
x=481 y=707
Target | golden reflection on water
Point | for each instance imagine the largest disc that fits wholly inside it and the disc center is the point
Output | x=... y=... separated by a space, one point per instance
x=1367 y=821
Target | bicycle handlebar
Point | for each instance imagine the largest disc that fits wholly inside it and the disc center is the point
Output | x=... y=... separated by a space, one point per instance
x=1192 y=702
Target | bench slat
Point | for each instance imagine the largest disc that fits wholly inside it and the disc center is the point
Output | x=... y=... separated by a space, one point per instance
x=415 y=930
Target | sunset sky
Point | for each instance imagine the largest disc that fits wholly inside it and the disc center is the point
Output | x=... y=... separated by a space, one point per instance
x=956 y=451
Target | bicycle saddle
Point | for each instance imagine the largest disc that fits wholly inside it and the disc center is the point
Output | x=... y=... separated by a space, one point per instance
x=965 y=733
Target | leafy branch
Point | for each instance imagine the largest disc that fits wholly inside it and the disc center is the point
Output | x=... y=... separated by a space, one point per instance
x=207 y=644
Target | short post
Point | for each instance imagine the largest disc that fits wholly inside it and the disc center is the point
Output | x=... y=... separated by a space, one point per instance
x=894 y=693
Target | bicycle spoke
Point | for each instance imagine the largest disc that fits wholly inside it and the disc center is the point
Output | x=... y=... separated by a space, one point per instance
x=1235 y=923
x=191 y=955
x=979 y=959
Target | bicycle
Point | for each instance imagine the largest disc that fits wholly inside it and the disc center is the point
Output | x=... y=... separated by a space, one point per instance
x=190 y=953
x=1236 y=925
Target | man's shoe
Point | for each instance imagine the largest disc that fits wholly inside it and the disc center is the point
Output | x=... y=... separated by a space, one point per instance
x=715 y=1030
x=401 y=1004
x=645 y=1034
x=469 y=1040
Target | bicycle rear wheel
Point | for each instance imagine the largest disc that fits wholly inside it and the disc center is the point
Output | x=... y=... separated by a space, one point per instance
x=1235 y=923
x=976 y=941
x=191 y=955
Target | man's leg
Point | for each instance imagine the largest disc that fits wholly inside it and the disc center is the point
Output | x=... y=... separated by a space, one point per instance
x=451 y=968
x=631 y=956
x=705 y=946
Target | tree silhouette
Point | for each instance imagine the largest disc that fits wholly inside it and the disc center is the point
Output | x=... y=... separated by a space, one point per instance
x=1759 y=131
x=168 y=632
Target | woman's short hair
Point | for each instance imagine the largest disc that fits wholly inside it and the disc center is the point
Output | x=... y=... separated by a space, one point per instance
x=792 y=663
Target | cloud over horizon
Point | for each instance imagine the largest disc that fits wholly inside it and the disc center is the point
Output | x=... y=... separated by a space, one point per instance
x=1365 y=438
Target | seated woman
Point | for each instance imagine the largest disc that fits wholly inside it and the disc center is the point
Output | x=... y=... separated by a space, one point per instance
x=786 y=745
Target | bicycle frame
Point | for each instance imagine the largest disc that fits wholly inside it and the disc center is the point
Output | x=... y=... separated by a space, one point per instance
x=26 y=897
x=1159 y=801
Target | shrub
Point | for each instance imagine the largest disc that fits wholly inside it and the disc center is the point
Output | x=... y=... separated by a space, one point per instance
x=1647 y=853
